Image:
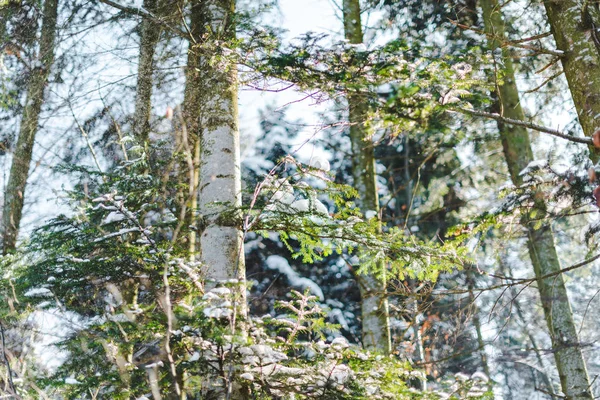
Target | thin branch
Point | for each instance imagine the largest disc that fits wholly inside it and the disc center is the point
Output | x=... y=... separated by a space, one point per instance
x=550 y=64
x=87 y=139
x=144 y=14
x=551 y=274
x=505 y=42
x=532 y=38
x=517 y=281
x=553 y=76
x=525 y=124
x=587 y=307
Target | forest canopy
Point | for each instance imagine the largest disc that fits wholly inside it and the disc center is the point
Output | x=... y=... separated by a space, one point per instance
x=285 y=199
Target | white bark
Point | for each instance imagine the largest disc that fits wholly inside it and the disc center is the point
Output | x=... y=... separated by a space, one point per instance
x=220 y=181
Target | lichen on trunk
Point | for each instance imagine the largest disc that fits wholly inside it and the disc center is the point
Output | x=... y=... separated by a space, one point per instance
x=149 y=36
x=574 y=26
x=221 y=245
x=14 y=196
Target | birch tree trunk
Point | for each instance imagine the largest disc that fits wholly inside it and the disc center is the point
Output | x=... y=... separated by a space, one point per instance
x=149 y=36
x=575 y=25
x=374 y=306
x=571 y=366
x=19 y=171
x=221 y=243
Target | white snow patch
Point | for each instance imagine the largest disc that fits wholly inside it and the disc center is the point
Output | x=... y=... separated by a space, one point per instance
x=113 y=216
x=283 y=266
x=38 y=292
x=320 y=163
x=534 y=165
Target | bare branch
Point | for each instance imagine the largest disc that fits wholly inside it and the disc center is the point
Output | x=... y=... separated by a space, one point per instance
x=516 y=43
x=525 y=124
x=532 y=38
x=541 y=85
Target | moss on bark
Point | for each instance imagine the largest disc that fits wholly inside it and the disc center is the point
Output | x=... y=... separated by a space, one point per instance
x=542 y=251
x=575 y=26
x=14 y=196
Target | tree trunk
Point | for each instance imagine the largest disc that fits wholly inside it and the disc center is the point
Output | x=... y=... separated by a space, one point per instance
x=19 y=171
x=575 y=26
x=149 y=36
x=191 y=116
x=553 y=293
x=221 y=243
x=374 y=307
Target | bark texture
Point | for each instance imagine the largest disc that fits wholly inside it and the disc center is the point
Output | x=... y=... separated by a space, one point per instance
x=149 y=36
x=19 y=172
x=191 y=115
x=571 y=366
x=220 y=182
x=374 y=305
x=575 y=25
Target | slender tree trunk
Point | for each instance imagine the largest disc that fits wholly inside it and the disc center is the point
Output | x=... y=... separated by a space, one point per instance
x=19 y=172
x=220 y=183
x=193 y=85
x=375 y=314
x=149 y=36
x=575 y=25
x=542 y=251
x=191 y=115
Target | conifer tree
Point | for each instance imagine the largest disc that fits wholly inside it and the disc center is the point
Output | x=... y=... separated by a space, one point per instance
x=542 y=250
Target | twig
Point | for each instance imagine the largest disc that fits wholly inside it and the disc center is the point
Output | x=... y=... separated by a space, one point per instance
x=532 y=38
x=549 y=275
x=587 y=307
x=86 y=137
x=551 y=77
x=505 y=43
